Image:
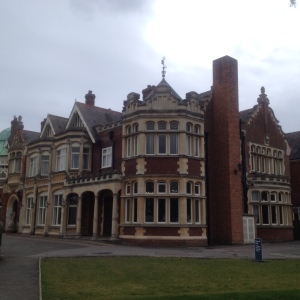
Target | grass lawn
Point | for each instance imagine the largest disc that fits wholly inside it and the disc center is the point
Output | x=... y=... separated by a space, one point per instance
x=169 y=278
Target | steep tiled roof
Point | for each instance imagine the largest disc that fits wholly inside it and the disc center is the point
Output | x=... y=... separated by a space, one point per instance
x=29 y=136
x=164 y=83
x=294 y=142
x=94 y=116
x=245 y=114
x=58 y=123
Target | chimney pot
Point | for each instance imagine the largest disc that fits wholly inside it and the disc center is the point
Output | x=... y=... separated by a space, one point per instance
x=90 y=98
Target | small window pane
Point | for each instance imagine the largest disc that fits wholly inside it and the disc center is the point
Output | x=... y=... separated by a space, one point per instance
x=173 y=126
x=161 y=187
x=174 y=210
x=162 y=126
x=161 y=210
x=174 y=187
x=149 y=187
x=149 y=210
x=150 y=126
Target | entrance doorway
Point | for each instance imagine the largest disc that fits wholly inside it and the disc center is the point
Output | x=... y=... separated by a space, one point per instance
x=87 y=214
x=107 y=200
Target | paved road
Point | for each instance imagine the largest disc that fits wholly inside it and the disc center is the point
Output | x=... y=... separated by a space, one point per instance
x=20 y=255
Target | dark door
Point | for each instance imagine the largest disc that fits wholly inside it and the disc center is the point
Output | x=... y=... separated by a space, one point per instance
x=107 y=216
x=87 y=216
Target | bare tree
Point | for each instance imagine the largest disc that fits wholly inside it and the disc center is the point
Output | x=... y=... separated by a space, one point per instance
x=292 y=3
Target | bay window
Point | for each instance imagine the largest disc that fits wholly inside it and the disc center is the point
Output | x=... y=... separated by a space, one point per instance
x=45 y=164
x=33 y=166
x=57 y=204
x=42 y=209
x=75 y=156
x=61 y=160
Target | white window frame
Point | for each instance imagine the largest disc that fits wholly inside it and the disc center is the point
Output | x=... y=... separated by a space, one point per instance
x=161 y=184
x=197 y=211
x=197 y=189
x=75 y=156
x=61 y=159
x=29 y=204
x=127 y=210
x=57 y=209
x=42 y=209
x=189 y=211
x=159 y=200
x=106 y=157
x=127 y=189
x=45 y=164
x=33 y=165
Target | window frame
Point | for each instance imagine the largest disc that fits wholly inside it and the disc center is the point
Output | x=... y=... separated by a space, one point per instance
x=106 y=158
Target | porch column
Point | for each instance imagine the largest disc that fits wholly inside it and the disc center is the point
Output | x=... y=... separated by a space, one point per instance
x=63 y=224
x=114 y=224
x=78 y=217
x=48 y=209
x=95 y=223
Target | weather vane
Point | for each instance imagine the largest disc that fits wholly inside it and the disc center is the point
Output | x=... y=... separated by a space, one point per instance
x=164 y=67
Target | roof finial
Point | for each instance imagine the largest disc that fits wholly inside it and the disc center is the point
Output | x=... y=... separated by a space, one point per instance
x=164 y=67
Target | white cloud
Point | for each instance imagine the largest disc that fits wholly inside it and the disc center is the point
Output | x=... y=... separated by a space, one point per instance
x=55 y=51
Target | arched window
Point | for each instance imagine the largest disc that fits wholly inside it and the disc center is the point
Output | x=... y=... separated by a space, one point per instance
x=255 y=196
x=149 y=187
x=197 y=188
x=173 y=187
x=189 y=187
x=161 y=187
x=150 y=126
x=128 y=188
x=264 y=196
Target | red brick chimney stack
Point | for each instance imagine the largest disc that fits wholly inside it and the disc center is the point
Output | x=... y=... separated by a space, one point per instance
x=224 y=155
x=90 y=98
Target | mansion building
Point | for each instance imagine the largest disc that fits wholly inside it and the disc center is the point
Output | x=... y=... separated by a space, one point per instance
x=164 y=171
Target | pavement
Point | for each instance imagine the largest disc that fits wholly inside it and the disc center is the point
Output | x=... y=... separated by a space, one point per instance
x=19 y=260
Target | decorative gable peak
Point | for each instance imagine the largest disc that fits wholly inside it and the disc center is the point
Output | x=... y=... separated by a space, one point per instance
x=263 y=97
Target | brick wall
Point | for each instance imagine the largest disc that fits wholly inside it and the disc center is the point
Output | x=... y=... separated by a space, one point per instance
x=161 y=165
x=275 y=234
x=224 y=154
x=295 y=182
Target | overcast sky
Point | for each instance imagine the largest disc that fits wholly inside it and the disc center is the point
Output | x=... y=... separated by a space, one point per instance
x=53 y=51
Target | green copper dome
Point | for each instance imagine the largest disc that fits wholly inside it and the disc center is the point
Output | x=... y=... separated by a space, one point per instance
x=3 y=137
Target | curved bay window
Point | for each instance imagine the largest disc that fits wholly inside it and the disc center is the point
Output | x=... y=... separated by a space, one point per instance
x=267 y=161
x=270 y=208
x=161 y=206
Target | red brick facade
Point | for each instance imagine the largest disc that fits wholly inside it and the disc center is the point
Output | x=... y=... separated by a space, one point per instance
x=224 y=155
